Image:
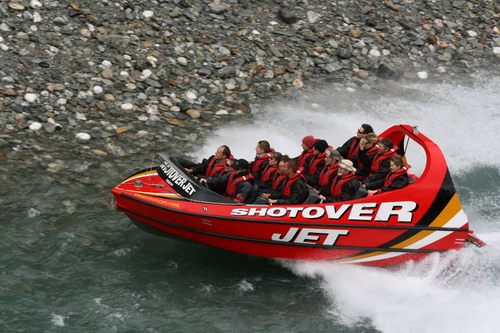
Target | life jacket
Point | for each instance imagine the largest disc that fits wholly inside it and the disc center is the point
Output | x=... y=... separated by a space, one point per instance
x=316 y=159
x=232 y=184
x=269 y=172
x=379 y=159
x=304 y=157
x=277 y=181
x=338 y=183
x=215 y=168
x=257 y=162
x=393 y=175
x=326 y=173
x=287 y=189
x=352 y=150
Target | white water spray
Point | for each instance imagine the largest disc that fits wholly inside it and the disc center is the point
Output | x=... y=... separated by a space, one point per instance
x=458 y=292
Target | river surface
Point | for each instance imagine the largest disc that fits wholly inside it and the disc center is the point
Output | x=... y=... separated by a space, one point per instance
x=70 y=263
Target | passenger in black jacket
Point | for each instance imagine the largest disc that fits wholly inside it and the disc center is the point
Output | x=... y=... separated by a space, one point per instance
x=212 y=166
x=344 y=186
x=238 y=183
x=397 y=178
x=295 y=190
x=380 y=165
x=348 y=148
x=366 y=151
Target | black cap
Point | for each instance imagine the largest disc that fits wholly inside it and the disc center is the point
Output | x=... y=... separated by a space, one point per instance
x=241 y=164
x=321 y=145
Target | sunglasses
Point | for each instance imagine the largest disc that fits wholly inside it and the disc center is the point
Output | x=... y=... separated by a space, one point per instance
x=228 y=165
x=360 y=132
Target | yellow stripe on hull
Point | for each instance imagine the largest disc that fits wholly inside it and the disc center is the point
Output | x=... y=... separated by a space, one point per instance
x=451 y=217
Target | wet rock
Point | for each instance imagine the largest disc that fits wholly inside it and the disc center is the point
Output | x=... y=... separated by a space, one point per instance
x=16 y=6
x=107 y=73
x=218 y=9
x=345 y=53
x=82 y=137
x=226 y=72
x=99 y=152
x=114 y=149
x=287 y=16
x=35 y=126
x=9 y=92
x=355 y=33
x=50 y=127
x=30 y=98
x=193 y=113
x=387 y=72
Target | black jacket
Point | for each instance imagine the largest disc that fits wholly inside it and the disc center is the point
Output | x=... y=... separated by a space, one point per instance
x=349 y=190
x=344 y=149
x=300 y=193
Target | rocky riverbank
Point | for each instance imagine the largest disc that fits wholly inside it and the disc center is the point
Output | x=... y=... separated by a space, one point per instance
x=94 y=79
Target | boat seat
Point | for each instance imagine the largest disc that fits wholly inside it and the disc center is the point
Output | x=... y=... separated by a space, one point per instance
x=361 y=193
x=312 y=196
x=260 y=200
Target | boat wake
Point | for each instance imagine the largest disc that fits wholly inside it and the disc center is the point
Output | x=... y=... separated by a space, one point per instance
x=456 y=292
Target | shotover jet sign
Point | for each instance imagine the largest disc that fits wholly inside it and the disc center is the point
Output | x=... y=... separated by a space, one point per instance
x=373 y=211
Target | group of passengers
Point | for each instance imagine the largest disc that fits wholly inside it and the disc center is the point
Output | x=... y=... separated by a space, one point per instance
x=363 y=165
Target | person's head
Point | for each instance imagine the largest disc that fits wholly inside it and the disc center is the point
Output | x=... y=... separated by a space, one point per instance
x=275 y=158
x=229 y=164
x=282 y=164
x=364 y=130
x=320 y=147
x=263 y=147
x=384 y=145
x=240 y=165
x=332 y=157
x=291 y=167
x=346 y=166
x=222 y=152
x=396 y=163
x=308 y=142
x=371 y=140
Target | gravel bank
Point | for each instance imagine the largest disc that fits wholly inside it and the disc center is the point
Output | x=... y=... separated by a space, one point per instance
x=96 y=79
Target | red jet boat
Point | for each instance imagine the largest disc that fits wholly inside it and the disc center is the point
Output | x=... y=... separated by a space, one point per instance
x=381 y=230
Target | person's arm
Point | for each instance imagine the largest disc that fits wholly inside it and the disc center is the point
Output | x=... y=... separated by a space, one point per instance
x=243 y=191
x=397 y=184
x=376 y=180
x=344 y=149
x=364 y=158
x=201 y=168
x=217 y=182
x=314 y=178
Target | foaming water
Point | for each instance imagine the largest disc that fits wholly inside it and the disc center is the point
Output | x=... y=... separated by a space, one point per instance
x=457 y=292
